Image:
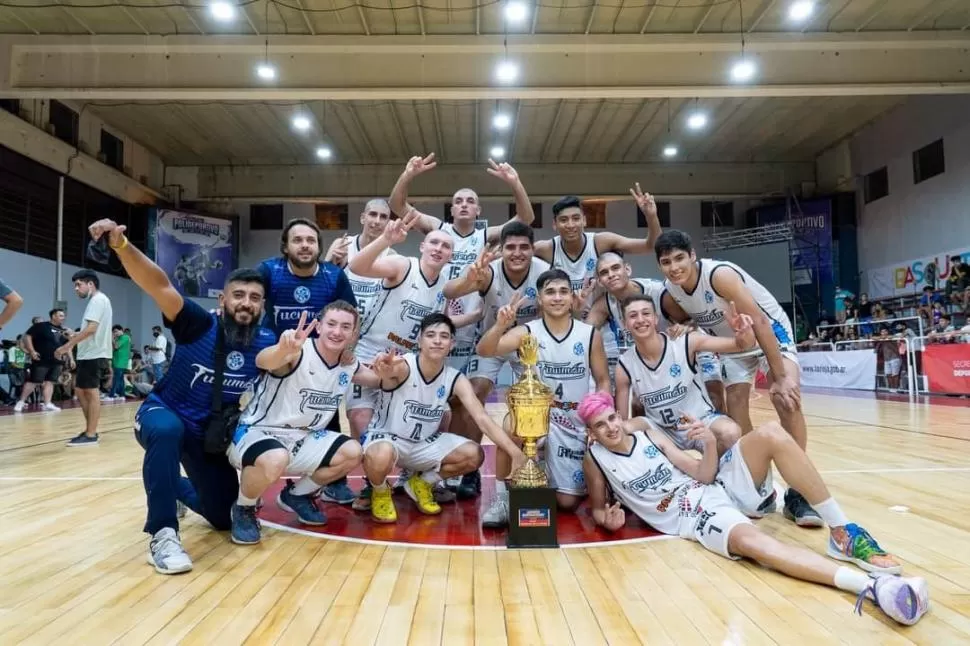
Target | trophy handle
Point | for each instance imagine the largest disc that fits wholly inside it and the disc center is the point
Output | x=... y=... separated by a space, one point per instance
x=509 y=423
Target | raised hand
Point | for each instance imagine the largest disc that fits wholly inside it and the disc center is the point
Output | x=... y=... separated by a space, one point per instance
x=644 y=200
x=697 y=430
x=614 y=518
x=677 y=330
x=518 y=460
x=396 y=231
x=291 y=341
x=385 y=364
x=506 y=315
x=114 y=231
x=786 y=390
x=581 y=296
x=479 y=272
x=419 y=165
x=743 y=326
x=337 y=253
x=503 y=171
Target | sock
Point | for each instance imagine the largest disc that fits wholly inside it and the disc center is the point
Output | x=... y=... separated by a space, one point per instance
x=831 y=513
x=851 y=580
x=501 y=489
x=431 y=477
x=379 y=487
x=305 y=486
x=246 y=502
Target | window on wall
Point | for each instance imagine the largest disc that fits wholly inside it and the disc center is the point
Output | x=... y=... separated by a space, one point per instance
x=928 y=162
x=717 y=214
x=65 y=122
x=536 y=208
x=331 y=217
x=595 y=212
x=663 y=214
x=113 y=149
x=875 y=185
x=265 y=217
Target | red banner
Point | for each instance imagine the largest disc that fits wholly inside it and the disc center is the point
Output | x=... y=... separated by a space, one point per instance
x=947 y=367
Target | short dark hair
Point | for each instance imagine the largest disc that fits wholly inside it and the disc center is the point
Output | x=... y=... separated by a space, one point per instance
x=437 y=318
x=117 y=327
x=245 y=275
x=88 y=276
x=159 y=327
x=672 y=240
x=518 y=229
x=567 y=202
x=638 y=298
x=340 y=305
x=285 y=235
x=53 y=312
x=550 y=275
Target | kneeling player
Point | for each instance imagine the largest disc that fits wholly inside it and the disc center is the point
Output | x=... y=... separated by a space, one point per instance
x=706 y=500
x=283 y=430
x=413 y=397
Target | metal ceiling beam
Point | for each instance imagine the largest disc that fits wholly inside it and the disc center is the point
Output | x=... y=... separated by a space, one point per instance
x=942 y=6
x=188 y=14
x=74 y=17
x=439 y=136
x=363 y=18
x=592 y=14
x=544 y=152
x=835 y=14
x=700 y=23
x=417 y=4
x=250 y=20
x=132 y=18
x=646 y=21
x=515 y=130
x=400 y=131
x=872 y=15
x=636 y=114
x=477 y=150
x=765 y=8
x=306 y=18
x=355 y=119
x=16 y=16
x=589 y=130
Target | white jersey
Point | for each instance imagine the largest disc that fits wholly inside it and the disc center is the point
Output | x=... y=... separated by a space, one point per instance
x=413 y=410
x=464 y=253
x=580 y=269
x=365 y=290
x=650 y=486
x=621 y=336
x=669 y=390
x=564 y=366
x=394 y=320
x=306 y=398
x=709 y=310
x=499 y=293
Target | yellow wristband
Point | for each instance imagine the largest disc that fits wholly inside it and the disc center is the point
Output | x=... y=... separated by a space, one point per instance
x=124 y=243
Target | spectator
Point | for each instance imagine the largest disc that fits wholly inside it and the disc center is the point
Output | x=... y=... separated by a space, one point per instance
x=887 y=348
x=119 y=362
x=41 y=342
x=938 y=312
x=930 y=274
x=16 y=363
x=157 y=352
x=941 y=331
x=864 y=314
x=958 y=283
x=12 y=303
x=841 y=296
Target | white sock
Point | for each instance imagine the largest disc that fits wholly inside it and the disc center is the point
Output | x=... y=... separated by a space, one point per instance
x=851 y=580
x=305 y=486
x=501 y=489
x=379 y=487
x=431 y=477
x=246 y=502
x=831 y=513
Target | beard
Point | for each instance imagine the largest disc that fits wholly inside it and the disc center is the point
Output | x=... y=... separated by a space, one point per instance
x=303 y=264
x=240 y=336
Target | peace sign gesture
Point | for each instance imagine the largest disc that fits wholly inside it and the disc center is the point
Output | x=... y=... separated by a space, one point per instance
x=384 y=364
x=337 y=253
x=743 y=327
x=581 y=295
x=479 y=271
x=291 y=341
x=503 y=171
x=419 y=165
x=396 y=231
x=506 y=314
x=644 y=200
x=614 y=518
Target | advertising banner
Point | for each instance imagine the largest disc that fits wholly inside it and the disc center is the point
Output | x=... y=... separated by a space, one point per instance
x=909 y=277
x=853 y=369
x=196 y=252
x=947 y=367
x=811 y=244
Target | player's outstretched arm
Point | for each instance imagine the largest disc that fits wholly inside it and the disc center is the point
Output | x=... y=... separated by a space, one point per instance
x=622 y=379
x=369 y=263
x=398 y=201
x=280 y=359
x=498 y=340
x=475 y=278
x=703 y=469
x=598 y=364
x=523 y=205
x=387 y=368
x=501 y=439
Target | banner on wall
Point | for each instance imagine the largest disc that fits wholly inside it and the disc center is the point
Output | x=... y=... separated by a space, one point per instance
x=947 y=368
x=811 y=244
x=852 y=369
x=196 y=252
x=909 y=277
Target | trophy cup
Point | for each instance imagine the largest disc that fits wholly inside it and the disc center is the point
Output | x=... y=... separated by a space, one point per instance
x=532 y=503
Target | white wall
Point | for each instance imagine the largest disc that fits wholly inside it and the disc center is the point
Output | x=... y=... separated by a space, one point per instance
x=922 y=219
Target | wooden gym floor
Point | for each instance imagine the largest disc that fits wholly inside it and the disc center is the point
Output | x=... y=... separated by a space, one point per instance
x=73 y=559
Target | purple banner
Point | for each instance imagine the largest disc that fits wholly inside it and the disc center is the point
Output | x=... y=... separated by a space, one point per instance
x=196 y=252
x=811 y=245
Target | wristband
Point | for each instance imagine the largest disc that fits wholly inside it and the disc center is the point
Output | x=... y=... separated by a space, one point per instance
x=124 y=243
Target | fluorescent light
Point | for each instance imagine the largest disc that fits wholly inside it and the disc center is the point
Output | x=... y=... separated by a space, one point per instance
x=697 y=121
x=501 y=121
x=266 y=71
x=323 y=152
x=516 y=11
x=507 y=72
x=497 y=152
x=743 y=70
x=301 y=123
x=222 y=10
x=670 y=151
x=801 y=10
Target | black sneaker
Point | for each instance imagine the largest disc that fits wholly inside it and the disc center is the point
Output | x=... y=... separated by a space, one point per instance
x=799 y=511
x=471 y=486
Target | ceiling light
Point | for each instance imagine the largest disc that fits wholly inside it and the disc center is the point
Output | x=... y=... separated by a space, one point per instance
x=301 y=123
x=801 y=10
x=501 y=121
x=497 y=152
x=743 y=70
x=670 y=151
x=507 y=72
x=323 y=152
x=222 y=10
x=266 y=71
x=697 y=121
x=516 y=11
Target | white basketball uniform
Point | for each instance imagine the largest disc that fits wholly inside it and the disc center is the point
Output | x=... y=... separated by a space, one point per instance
x=580 y=269
x=465 y=252
x=498 y=294
x=409 y=417
x=709 y=310
x=669 y=390
x=394 y=321
x=620 y=338
x=564 y=366
x=295 y=410
x=670 y=501
x=365 y=290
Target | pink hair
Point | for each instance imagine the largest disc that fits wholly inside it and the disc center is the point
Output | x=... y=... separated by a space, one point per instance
x=593 y=404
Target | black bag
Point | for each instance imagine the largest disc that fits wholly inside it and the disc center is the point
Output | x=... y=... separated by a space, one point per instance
x=222 y=419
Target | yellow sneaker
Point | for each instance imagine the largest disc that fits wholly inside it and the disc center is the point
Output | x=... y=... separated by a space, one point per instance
x=422 y=493
x=382 y=508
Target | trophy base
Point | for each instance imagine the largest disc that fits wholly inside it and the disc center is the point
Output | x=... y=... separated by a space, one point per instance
x=532 y=518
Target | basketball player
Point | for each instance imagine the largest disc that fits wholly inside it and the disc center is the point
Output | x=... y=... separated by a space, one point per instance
x=406 y=430
x=282 y=431
x=569 y=352
x=661 y=374
x=297 y=282
x=706 y=500
x=171 y=422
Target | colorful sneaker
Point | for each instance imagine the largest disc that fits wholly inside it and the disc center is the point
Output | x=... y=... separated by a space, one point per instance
x=854 y=545
x=362 y=502
x=166 y=554
x=382 y=508
x=422 y=493
x=338 y=492
x=83 y=440
x=903 y=599
x=800 y=512
x=245 y=525
x=305 y=507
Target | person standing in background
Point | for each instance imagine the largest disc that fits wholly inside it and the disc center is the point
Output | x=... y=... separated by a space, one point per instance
x=94 y=352
x=40 y=342
x=157 y=352
x=16 y=360
x=120 y=359
x=841 y=296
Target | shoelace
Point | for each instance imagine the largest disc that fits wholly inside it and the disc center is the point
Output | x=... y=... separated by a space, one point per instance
x=167 y=546
x=862 y=544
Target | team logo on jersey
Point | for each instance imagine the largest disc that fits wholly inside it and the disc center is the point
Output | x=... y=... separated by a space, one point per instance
x=663 y=397
x=232 y=383
x=590 y=264
x=675 y=370
x=708 y=297
x=440 y=298
x=319 y=400
x=562 y=370
x=651 y=451
x=530 y=292
x=301 y=294
x=360 y=288
x=579 y=477
x=653 y=479
x=343 y=379
x=727 y=455
x=579 y=349
x=414 y=311
x=235 y=360
x=415 y=411
x=441 y=391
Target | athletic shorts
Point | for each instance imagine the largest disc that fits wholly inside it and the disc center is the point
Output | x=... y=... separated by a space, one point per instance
x=717 y=516
x=362 y=397
x=744 y=369
x=90 y=373
x=710 y=366
x=734 y=476
x=563 y=461
x=893 y=366
x=679 y=437
x=420 y=455
x=459 y=357
x=309 y=450
x=489 y=367
x=41 y=372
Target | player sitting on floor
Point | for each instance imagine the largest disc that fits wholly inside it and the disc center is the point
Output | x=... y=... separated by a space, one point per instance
x=405 y=429
x=706 y=500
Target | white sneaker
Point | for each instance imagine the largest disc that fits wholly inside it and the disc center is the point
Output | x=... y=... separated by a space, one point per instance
x=51 y=407
x=903 y=599
x=166 y=554
x=497 y=514
x=18 y=407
